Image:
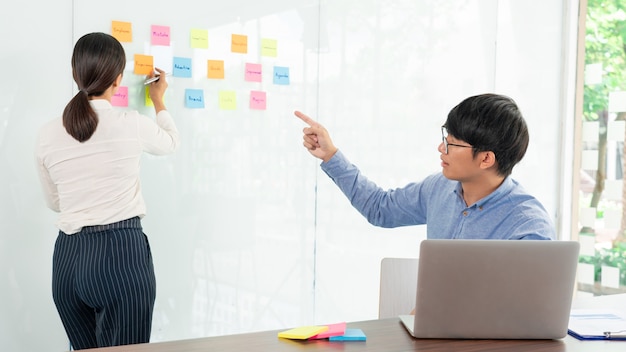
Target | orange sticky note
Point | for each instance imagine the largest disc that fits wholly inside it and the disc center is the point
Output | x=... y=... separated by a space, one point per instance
x=144 y=64
x=215 y=69
x=239 y=43
x=122 y=31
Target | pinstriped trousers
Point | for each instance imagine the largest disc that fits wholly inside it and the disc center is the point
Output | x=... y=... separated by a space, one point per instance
x=103 y=285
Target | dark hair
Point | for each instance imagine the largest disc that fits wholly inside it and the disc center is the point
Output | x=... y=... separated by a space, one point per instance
x=491 y=122
x=97 y=61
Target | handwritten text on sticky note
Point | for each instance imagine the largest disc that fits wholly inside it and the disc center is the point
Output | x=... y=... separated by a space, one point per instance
x=215 y=69
x=199 y=39
x=281 y=75
x=182 y=67
x=120 y=98
x=239 y=43
x=228 y=100
x=160 y=35
x=194 y=98
x=269 y=47
x=144 y=64
x=253 y=72
x=122 y=31
x=258 y=100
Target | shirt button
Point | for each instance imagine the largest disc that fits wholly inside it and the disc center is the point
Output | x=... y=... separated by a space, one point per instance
x=480 y=208
x=465 y=213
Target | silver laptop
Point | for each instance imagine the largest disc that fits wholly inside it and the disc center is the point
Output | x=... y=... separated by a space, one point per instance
x=493 y=289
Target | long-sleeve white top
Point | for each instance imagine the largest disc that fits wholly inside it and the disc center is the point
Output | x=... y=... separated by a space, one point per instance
x=96 y=182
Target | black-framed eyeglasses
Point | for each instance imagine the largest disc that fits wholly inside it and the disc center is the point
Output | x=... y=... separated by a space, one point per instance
x=444 y=138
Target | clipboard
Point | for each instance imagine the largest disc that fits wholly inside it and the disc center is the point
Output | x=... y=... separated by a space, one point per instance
x=592 y=324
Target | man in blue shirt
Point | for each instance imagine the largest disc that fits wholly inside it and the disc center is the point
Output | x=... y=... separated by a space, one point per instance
x=473 y=197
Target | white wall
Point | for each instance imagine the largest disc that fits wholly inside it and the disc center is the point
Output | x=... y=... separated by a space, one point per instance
x=36 y=83
x=246 y=232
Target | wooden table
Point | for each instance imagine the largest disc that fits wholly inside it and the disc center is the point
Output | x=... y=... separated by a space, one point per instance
x=386 y=335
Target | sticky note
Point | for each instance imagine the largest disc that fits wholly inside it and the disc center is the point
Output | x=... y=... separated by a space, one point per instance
x=609 y=276
x=160 y=35
x=199 y=38
x=350 y=335
x=302 y=333
x=239 y=43
x=587 y=243
x=253 y=72
x=281 y=75
x=258 y=100
x=228 y=100
x=333 y=330
x=143 y=64
x=593 y=74
x=182 y=67
x=269 y=47
x=612 y=218
x=148 y=100
x=586 y=273
x=194 y=98
x=591 y=130
x=615 y=131
x=589 y=160
x=617 y=101
x=163 y=57
x=587 y=217
x=120 y=98
x=613 y=189
x=215 y=69
x=122 y=31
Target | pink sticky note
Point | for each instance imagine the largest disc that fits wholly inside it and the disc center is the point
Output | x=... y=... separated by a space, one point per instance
x=258 y=100
x=160 y=35
x=333 y=330
x=120 y=98
x=253 y=72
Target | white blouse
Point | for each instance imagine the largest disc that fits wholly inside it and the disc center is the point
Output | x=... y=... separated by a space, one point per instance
x=97 y=182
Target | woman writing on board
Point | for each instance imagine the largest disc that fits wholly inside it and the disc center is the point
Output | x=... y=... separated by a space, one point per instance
x=103 y=280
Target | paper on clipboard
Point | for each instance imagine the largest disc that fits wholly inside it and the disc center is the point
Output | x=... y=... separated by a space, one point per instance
x=594 y=324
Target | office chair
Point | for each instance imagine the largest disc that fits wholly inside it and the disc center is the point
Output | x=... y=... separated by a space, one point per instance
x=398 y=286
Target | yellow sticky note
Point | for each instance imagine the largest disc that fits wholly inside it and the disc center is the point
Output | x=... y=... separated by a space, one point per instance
x=215 y=69
x=144 y=64
x=228 y=100
x=269 y=47
x=239 y=43
x=148 y=101
x=302 y=333
x=199 y=38
x=122 y=31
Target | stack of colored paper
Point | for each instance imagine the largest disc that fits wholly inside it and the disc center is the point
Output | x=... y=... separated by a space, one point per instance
x=332 y=332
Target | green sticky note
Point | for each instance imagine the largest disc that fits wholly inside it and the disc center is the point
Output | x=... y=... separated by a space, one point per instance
x=228 y=100
x=269 y=47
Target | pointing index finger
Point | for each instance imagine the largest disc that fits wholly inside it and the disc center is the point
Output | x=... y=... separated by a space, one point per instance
x=309 y=121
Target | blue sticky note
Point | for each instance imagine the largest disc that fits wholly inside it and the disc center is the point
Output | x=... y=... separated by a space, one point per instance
x=350 y=335
x=281 y=75
x=182 y=67
x=194 y=98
